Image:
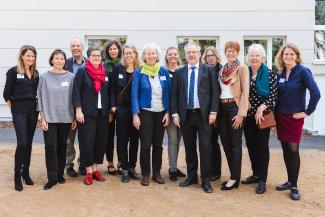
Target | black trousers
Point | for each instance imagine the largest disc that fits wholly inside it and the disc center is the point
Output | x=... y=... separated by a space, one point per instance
x=216 y=153
x=92 y=136
x=257 y=142
x=126 y=134
x=231 y=138
x=111 y=140
x=55 y=140
x=151 y=134
x=25 y=125
x=195 y=125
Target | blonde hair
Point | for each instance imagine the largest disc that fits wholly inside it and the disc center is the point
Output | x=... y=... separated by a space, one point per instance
x=279 y=56
x=21 y=66
x=136 y=63
x=214 y=51
x=179 y=61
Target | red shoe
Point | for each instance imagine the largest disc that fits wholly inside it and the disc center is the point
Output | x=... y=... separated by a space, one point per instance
x=88 y=179
x=97 y=176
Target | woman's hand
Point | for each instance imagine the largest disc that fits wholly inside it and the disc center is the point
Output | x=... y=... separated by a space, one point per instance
x=80 y=116
x=259 y=114
x=44 y=124
x=113 y=109
x=165 y=120
x=74 y=124
x=238 y=121
x=299 y=115
x=136 y=121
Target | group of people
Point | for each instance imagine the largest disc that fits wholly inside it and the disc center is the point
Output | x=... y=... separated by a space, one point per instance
x=117 y=91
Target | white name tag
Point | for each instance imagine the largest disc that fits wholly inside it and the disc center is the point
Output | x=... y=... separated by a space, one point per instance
x=163 y=78
x=65 y=84
x=120 y=76
x=282 y=80
x=106 y=78
x=19 y=76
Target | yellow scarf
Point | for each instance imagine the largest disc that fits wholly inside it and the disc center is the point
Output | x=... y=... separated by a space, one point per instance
x=150 y=70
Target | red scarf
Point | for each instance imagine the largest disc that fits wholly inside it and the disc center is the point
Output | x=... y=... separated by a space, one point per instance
x=97 y=75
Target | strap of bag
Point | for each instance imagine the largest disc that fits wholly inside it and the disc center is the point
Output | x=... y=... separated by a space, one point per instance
x=124 y=89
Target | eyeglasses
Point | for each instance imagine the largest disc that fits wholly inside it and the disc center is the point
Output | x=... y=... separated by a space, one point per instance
x=212 y=55
x=192 y=52
x=96 y=56
x=128 y=53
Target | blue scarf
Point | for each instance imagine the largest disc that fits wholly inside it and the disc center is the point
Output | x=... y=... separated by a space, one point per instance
x=262 y=81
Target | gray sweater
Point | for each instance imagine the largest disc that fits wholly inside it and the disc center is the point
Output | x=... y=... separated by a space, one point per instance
x=55 y=96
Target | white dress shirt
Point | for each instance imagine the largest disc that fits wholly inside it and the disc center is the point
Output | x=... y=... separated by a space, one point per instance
x=196 y=98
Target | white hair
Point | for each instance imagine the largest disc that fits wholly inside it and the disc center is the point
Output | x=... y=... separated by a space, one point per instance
x=258 y=48
x=78 y=40
x=189 y=44
x=148 y=46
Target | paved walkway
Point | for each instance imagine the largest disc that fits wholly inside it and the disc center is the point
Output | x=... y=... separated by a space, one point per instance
x=8 y=136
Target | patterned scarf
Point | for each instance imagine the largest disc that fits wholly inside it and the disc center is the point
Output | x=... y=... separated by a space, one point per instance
x=97 y=75
x=150 y=70
x=227 y=70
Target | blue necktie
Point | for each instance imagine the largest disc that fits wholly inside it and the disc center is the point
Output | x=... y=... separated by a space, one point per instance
x=191 y=90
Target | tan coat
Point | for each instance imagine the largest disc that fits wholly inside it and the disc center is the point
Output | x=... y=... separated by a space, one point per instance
x=239 y=87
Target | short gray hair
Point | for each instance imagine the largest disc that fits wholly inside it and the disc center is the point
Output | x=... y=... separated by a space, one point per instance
x=192 y=44
x=148 y=46
x=257 y=48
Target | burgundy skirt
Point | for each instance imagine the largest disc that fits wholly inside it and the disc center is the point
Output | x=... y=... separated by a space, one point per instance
x=288 y=128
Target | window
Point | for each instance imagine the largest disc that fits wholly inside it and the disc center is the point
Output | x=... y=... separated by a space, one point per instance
x=319 y=36
x=204 y=42
x=102 y=39
x=271 y=45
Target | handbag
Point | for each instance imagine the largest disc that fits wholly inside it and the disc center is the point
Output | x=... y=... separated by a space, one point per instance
x=268 y=121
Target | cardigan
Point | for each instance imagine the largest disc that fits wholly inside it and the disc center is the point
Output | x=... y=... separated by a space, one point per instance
x=292 y=93
x=141 y=90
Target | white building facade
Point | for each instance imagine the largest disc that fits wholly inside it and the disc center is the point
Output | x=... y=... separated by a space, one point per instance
x=48 y=25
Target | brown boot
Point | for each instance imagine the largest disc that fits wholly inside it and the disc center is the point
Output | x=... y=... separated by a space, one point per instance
x=157 y=178
x=145 y=180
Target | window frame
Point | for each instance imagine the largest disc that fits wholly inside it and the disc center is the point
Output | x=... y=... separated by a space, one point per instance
x=317 y=28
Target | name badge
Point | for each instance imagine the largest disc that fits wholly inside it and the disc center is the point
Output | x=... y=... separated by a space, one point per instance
x=170 y=75
x=65 y=84
x=120 y=76
x=163 y=78
x=20 y=76
x=282 y=80
x=106 y=78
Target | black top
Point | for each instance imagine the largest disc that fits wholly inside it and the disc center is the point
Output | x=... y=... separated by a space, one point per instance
x=84 y=95
x=119 y=79
x=255 y=100
x=20 y=90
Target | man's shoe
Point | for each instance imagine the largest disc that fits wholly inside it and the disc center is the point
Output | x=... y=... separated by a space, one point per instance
x=180 y=173
x=71 y=172
x=261 y=188
x=250 y=180
x=98 y=177
x=49 y=185
x=61 y=180
x=82 y=171
x=283 y=187
x=133 y=174
x=145 y=180
x=172 y=175
x=157 y=178
x=294 y=193
x=125 y=176
x=206 y=186
x=189 y=181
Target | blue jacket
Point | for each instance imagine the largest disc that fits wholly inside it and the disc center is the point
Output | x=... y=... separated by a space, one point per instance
x=141 y=90
x=292 y=93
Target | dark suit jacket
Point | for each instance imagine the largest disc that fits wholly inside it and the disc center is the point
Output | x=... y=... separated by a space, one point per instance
x=84 y=96
x=208 y=92
x=69 y=64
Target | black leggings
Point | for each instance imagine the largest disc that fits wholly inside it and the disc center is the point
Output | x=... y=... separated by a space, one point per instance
x=292 y=161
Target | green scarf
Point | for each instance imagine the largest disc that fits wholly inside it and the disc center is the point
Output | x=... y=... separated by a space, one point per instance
x=150 y=70
x=110 y=63
x=262 y=81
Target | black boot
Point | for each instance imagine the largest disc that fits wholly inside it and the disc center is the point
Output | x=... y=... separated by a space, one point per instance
x=19 y=157
x=26 y=163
